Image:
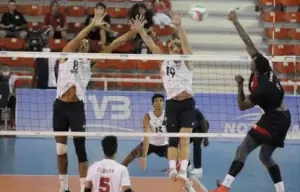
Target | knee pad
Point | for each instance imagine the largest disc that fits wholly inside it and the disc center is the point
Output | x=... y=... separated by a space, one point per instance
x=173 y=142
x=61 y=148
x=79 y=143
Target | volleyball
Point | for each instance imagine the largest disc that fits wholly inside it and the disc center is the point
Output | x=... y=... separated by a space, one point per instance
x=198 y=13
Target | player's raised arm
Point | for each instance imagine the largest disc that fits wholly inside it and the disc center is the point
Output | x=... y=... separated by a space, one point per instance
x=147 y=129
x=244 y=103
x=252 y=50
x=118 y=42
x=73 y=45
x=137 y=25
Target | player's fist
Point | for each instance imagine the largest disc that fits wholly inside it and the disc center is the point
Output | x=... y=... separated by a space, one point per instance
x=143 y=163
x=239 y=79
x=232 y=14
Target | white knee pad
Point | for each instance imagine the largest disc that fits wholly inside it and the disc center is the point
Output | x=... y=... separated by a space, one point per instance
x=61 y=149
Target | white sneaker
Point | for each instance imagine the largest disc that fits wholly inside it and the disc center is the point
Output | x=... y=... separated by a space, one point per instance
x=190 y=168
x=182 y=175
x=198 y=171
x=188 y=186
x=172 y=173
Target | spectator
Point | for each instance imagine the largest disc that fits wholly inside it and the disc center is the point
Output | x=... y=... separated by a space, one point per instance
x=55 y=22
x=45 y=72
x=13 y=23
x=101 y=34
x=162 y=12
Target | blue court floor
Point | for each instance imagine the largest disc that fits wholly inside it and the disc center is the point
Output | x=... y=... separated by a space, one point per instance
x=28 y=156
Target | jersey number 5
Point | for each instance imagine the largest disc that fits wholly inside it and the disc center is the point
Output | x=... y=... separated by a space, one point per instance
x=170 y=71
x=104 y=184
x=75 y=67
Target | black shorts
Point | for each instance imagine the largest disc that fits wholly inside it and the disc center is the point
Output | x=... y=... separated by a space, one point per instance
x=68 y=115
x=272 y=128
x=160 y=150
x=180 y=114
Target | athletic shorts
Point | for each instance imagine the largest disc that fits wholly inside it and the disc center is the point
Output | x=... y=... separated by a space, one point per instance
x=160 y=150
x=180 y=114
x=68 y=115
x=272 y=128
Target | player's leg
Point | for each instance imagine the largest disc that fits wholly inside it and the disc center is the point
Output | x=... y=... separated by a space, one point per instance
x=76 y=115
x=61 y=123
x=135 y=153
x=265 y=156
x=197 y=157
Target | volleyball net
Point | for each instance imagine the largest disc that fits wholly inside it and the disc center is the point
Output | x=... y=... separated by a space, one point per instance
x=120 y=92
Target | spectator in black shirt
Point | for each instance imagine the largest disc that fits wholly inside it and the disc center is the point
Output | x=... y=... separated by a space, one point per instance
x=13 y=23
x=100 y=34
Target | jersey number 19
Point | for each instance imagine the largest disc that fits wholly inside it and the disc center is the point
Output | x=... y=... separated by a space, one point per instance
x=170 y=71
x=104 y=184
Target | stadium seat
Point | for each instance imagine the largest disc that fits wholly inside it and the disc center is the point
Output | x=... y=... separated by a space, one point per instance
x=120 y=28
x=101 y=84
x=294 y=33
x=125 y=84
x=96 y=0
x=284 y=67
x=2 y=44
x=35 y=26
x=101 y=64
x=288 y=85
x=46 y=9
x=162 y=30
x=117 y=12
x=279 y=33
x=269 y=2
x=280 y=49
x=290 y=2
x=273 y=16
x=76 y=11
x=128 y=47
x=75 y=27
x=116 y=0
x=125 y=64
x=23 y=83
x=57 y=44
x=3 y=8
x=152 y=85
x=292 y=17
x=296 y=49
x=149 y=65
x=14 y=44
x=31 y=10
x=136 y=1
x=18 y=62
x=95 y=46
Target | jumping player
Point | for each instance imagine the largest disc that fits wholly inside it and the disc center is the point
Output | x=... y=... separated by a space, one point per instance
x=270 y=131
x=108 y=175
x=68 y=108
x=180 y=105
x=201 y=126
x=153 y=122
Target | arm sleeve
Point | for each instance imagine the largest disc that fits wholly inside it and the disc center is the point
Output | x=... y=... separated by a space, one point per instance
x=125 y=179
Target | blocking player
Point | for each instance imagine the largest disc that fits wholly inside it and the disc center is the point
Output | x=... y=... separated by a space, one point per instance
x=270 y=131
x=180 y=105
x=108 y=175
x=152 y=122
x=201 y=126
x=68 y=109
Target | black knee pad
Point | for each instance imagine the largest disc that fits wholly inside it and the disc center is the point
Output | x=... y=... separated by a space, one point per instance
x=173 y=142
x=79 y=143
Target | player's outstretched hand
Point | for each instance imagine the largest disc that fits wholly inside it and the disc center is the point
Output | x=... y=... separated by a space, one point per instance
x=98 y=18
x=239 y=79
x=176 y=19
x=232 y=14
x=138 y=23
x=143 y=163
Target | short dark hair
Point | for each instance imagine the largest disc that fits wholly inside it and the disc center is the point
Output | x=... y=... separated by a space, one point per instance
x=100 y=5
x=262 y=64
x=110 y=145
x=157 y=95
x=12 y=1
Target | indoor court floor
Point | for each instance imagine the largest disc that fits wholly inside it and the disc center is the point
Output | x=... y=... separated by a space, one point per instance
x=29 y=165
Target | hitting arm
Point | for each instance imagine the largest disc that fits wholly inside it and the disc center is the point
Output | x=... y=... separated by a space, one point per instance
x=186 y=48
x=244 y=103
x=150 y=43
x=118 y=42
x=146 y=125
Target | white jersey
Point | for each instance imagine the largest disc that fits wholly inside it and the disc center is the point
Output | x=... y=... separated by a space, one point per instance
x=74 y=72
x=108 y=176
x=176 y=78
x=156 y=124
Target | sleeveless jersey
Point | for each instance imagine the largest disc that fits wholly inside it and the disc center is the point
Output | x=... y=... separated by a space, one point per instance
x=176 y=78
x=74 y=72
x=156 y=125
x=108 y=175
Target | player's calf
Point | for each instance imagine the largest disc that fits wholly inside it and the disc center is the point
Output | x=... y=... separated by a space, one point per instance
x=172 y=157
x=79 y=143
x=135 y=153
x=62 y=163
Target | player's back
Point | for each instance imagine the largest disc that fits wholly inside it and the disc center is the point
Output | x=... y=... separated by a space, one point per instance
x=108 y=175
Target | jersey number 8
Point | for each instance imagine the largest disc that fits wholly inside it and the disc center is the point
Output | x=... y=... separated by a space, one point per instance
x=75 y=67
x=170 y=71
x=104 y=184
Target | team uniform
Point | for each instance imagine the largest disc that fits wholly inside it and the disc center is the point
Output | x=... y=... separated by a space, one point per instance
x=71 y=114
x=108 y=175
x=176 y=79
x=267 y=93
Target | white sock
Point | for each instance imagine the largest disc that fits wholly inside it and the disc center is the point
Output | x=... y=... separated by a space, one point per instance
x=172 y=164
x=228 y=181
x=279 y=187
x=184 y=165
x=64 y=182
x=82 y=184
